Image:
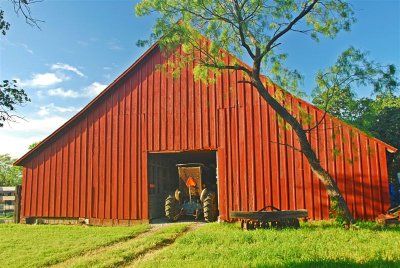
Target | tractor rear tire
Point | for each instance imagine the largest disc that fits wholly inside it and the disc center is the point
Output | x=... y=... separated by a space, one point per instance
x=210 y=207
x=172 y=208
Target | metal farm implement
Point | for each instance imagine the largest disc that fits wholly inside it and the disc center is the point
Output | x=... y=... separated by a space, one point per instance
x=392 y=216
x=274 y=218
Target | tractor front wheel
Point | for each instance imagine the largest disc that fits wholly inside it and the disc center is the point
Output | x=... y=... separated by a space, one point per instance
x=210 y=207
x=172 y=208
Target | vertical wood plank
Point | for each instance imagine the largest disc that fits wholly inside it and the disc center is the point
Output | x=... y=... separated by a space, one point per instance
x=23 y=192
x=365 y=153
x=134 y=149
x=97 y=137
x=384 y=178
x=65 y=176
x=77 y=175
x=115 y=157
x=121 y=175
x=28 y=191
x=40 y=181
x=47 y=182
x=222 y=168
x=59 y=178
x=102 y=161
x=70 y=165
x=127 y=154
x=184 y=107
x=177 y=114
x=83 y=169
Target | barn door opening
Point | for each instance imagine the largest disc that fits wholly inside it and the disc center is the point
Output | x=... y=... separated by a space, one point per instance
x=164 y=178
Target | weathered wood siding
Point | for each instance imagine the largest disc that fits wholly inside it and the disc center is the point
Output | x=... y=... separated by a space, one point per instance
x=95 y=166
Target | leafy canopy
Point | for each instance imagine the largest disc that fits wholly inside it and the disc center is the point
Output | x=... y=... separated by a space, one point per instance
x=377 y=114
x=335 y=86
x=246 y=28
x=9 y=175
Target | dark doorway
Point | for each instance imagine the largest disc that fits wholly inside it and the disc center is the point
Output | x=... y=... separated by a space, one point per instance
x=163 y=178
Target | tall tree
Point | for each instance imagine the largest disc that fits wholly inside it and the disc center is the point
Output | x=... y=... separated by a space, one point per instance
x=9 y=175
x=336 y=86
x=253 y=29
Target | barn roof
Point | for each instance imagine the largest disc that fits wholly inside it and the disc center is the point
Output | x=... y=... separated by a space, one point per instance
x=38 y=147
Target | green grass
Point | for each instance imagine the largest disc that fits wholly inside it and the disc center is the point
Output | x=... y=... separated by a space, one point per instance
x=123 y=253
x=43 y=245
x=316 y=244
x=313 y=245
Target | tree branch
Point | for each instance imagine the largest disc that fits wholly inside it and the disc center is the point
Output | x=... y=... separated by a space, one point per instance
x=241 y=33
x=305 y=11
x=246 y=82
x=23 y=7
x=288 y=145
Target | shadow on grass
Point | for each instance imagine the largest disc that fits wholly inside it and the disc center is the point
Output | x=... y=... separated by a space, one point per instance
x=341 y=263
x=184 y=219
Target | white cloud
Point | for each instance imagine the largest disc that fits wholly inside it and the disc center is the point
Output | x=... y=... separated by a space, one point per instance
x=90 y=91
x=43 y=80
x=15 y=138
x=114 y=45
x=93 y=89
x=67 y=67
x=39 y=93
x=82 y=43
x=60 y=92
x=27 y=48
x=51 y=108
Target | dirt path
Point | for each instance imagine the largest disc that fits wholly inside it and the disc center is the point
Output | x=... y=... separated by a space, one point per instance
x=107 y=247
x=160 y=247
x=96 y=257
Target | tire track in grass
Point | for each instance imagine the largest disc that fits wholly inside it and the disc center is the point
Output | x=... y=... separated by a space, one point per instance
x=105 y=247
x=124 y=253
x=102 y=247
x=159 y=247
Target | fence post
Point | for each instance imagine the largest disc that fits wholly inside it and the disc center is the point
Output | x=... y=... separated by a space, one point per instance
x=17 y=204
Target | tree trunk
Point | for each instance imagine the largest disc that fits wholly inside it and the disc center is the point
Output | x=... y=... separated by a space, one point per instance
x=326 y=179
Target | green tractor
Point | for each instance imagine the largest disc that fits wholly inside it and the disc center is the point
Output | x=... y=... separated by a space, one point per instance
x=196 y=195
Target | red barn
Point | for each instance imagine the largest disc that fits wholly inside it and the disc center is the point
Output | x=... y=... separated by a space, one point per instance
x=100 y=164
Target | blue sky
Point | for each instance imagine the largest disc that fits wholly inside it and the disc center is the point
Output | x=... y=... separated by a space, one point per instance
x=84 y=45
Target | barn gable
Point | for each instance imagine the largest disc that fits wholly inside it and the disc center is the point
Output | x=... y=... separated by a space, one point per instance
x=96 y=165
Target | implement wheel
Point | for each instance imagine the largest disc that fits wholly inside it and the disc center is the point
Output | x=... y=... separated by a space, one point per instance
x=210 y=207
x=172 y=211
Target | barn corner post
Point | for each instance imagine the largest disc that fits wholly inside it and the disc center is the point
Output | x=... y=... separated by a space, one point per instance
x=17 y=204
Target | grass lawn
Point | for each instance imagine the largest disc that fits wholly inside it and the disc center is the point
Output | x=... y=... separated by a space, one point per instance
x=313 y=245
x=43 y=245
x=317 y=244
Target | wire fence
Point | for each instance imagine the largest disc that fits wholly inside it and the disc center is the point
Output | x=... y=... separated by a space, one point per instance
x=10 y=204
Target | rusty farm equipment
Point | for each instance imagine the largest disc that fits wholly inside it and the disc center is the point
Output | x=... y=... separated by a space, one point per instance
x=196 y=195
x=269 y=217
x=392 y=216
